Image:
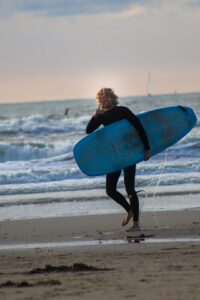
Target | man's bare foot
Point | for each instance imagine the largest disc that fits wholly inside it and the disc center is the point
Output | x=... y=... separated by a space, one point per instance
x=127 y=218
x=135 y=227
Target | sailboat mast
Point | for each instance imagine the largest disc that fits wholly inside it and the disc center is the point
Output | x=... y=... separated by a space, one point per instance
x=149 y=85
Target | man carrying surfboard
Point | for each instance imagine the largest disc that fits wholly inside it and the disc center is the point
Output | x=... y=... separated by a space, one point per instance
x=107 y=113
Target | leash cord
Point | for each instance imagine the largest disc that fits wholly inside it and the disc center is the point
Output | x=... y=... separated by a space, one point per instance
x=155 y=191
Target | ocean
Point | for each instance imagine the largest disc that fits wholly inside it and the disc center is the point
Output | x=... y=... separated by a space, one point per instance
x=39 y=177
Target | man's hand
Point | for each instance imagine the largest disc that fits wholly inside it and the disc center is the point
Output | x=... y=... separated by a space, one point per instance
x=99 y=111
x=147 y=155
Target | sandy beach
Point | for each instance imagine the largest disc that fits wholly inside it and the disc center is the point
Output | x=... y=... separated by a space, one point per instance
x=93 y=257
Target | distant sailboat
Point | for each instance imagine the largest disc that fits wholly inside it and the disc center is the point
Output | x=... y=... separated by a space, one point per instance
x=149 y=85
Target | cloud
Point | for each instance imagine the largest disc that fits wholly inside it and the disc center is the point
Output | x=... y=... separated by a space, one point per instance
x=193 y=3
x=89 y=7
x=68 y=7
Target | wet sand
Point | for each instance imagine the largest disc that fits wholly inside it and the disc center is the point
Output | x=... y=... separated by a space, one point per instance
x=93 y=257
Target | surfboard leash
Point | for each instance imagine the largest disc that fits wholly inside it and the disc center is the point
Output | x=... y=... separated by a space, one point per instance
x=155 y=191
x=156 y=188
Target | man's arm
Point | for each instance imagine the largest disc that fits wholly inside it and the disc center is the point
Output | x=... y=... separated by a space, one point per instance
x=93 y=124
x=133 y=119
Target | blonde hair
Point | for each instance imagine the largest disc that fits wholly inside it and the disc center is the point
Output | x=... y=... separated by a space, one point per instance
x=106 y=92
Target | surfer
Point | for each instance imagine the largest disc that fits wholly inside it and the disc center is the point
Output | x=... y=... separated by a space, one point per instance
x=109 y=112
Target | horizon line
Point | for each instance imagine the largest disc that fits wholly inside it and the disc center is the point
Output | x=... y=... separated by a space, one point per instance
x=92 y=98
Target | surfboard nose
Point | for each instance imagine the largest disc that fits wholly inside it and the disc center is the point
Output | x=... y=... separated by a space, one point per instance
x=191 y=115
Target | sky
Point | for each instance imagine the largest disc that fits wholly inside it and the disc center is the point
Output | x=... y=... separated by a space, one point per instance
x=69 y=49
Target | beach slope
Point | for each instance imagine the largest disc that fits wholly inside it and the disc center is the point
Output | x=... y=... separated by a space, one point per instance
x=93 y=257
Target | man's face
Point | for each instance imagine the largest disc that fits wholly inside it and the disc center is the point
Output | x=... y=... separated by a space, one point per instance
x=106 y=101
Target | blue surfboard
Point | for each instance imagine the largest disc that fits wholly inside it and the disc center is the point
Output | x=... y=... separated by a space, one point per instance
x=118 y=145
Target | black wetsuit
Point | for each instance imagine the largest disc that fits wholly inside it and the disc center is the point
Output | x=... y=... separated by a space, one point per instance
x=118 y=113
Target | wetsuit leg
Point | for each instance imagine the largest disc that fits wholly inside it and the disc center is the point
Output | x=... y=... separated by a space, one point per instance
x=129 y=181
x=111 y=190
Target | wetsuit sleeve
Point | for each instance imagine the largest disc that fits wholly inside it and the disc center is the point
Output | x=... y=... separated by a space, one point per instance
x=133 y=119
x=93 y=124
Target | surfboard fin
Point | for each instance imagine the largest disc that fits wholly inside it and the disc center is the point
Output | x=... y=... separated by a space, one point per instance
x=182 y=107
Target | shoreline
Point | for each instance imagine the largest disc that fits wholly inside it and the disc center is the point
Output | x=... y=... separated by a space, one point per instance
x=32 y=207
x=57 y=229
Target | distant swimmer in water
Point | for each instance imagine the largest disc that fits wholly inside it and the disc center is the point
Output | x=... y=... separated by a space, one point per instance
x=108 y=112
